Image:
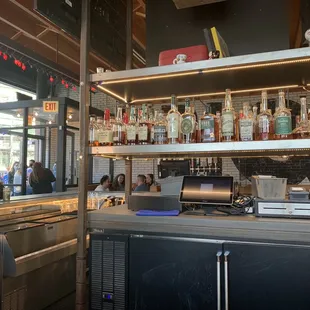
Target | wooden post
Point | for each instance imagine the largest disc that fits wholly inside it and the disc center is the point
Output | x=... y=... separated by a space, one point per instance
x=128 y=178
x=81 y=302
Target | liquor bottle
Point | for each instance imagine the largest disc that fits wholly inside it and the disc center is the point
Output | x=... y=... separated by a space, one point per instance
x=118 y=129
x=246 y=124
x=303 y=130
x=131 y=129
x=151 y=125
x=208 y=126
x=255 y=122
x=188 y=124
x=143 y=130
x=282 y=119
x=93 y=131
x=265 y=120
x=107 y=132
x=219 y=126
x=228 y=119
x=173 y=122
x=99 y=130
x=160 y=128
x=197 y=136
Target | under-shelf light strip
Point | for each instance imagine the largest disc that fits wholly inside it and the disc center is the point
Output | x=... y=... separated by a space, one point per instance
x=111 y=93
x=218 y=93
x=227 y=68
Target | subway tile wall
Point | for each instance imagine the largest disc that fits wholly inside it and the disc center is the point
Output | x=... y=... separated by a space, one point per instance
x=102 y=101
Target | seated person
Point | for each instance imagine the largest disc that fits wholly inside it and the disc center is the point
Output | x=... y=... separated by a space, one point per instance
x=119 y=183
x=104 y=184
x=150 y=181
x=141 y=185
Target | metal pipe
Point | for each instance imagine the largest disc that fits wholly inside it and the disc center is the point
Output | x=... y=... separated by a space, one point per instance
x=80 y=303
x=226 y=254
x=218 y=268
x=24 y=152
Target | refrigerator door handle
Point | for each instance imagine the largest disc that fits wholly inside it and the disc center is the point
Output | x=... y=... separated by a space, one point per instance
x=226 y=254
x=218 y=268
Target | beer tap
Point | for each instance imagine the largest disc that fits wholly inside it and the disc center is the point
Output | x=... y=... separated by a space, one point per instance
x=192 y=167
x=215 y=165
x=209 y=159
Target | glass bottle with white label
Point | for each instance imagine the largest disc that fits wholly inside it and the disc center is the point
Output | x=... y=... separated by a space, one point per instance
x=160 y=128
x=208 y=126
x=228 y=119
x=246 y=124
x=173 y=123
x=265 y=120
x=151 y=124
x=188 y=124
x=105 y=134
x=303 y=129
x=99 y=130
x=144 y=129
x=282 y=119
x=119 y=129
x=93 y=131
x=131 y=128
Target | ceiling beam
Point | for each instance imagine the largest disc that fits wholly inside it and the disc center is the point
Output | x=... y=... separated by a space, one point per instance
x=60 y=32
x=17 y=35
x=31 y=36
x=142 y=3
x=44 y=32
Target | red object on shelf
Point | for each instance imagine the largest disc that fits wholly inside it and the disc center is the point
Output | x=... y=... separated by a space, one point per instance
x=193 y=53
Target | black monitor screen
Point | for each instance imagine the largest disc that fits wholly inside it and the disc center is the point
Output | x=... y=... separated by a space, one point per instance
x=207 y=190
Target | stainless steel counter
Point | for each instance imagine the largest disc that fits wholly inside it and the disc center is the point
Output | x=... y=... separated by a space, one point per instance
x=223 y=227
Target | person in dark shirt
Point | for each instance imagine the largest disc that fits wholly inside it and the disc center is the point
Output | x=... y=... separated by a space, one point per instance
x=41 y=179
x=119 y=183
x=141 y=185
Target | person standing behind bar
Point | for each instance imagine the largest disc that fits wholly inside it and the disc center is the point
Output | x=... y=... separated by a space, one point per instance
x=141 y=186
x=41 y=179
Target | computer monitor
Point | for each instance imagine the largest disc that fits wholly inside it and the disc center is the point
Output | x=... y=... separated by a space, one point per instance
x=207 y=190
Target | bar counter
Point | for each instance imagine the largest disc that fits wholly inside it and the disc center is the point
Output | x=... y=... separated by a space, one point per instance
x=224 y=227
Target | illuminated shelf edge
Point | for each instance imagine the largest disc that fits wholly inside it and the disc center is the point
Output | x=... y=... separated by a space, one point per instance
x=275 y=147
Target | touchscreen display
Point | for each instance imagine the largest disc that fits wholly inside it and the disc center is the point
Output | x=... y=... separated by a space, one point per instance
x=207 y=190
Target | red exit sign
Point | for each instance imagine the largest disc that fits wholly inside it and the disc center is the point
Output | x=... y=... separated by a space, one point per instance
x=50 y=106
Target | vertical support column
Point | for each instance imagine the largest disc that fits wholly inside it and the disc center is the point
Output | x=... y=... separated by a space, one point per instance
x=80 y=302
x=128 y=163
x=61 y=148
x=42 y=87
x=111 y=169
x=24 y=151
x=128 y=91
x=128 y=178
x=90 y=169
x=129 y=35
